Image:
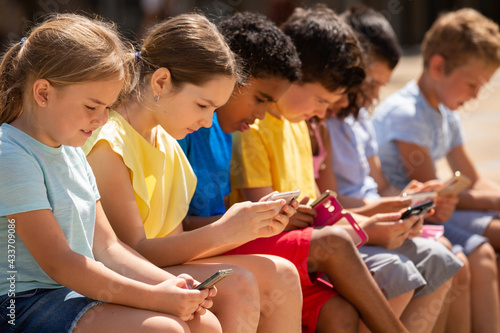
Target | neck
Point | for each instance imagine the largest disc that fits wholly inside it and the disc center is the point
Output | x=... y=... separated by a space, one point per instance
x=426 y=85
x=140 y=117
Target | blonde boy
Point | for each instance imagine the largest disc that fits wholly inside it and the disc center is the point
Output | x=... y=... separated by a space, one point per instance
x=417 y=126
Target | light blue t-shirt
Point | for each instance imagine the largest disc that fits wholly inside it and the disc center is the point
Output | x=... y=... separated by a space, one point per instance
x=352 y=141
x=34 y=176
x=407 y=116
x=209 y=152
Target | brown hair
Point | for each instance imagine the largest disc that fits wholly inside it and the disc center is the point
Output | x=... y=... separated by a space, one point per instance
x=190 y=47
x=66 y=49
x=462 y=35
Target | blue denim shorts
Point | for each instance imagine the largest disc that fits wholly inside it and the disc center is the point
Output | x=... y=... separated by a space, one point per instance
x=43 y=310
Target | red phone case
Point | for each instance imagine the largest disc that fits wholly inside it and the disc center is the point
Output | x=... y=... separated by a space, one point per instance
x=330 y=211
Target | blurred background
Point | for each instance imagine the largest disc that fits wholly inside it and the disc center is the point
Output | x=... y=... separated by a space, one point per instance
x=409 y=18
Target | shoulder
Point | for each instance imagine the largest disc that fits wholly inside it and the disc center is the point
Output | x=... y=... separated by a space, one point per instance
x=402 y=103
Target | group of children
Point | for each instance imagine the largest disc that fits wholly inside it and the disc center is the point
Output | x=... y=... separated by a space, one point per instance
x=186 y=138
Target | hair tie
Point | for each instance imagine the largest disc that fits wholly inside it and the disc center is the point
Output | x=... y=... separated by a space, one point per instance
x=22 y=41
x=137 y=56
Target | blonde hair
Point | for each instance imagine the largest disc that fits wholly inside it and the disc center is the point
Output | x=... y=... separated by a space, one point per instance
x=191 y=48
x=66 y=49
x=460 y=36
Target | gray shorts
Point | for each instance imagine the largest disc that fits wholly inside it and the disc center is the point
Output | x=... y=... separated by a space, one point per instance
x=419 y=264
x=43 y=310
x=473 y=221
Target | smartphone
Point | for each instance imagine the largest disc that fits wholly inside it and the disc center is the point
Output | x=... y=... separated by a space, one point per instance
x=419 y=209
x=417 y=198
x=455 y=185
x=288 y=196
x=211 y=281
x=324 y=195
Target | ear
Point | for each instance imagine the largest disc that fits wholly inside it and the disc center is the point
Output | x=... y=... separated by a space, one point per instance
x=161 y=81
x=41 y=91
x=437 y=66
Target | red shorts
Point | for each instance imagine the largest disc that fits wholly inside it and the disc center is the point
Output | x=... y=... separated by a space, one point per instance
x=294 y=245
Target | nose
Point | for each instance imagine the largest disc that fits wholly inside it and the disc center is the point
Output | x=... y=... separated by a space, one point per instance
x=260 y=111
x=320 y=112
x=207 y=121
x=475 y=92
x=102 y=118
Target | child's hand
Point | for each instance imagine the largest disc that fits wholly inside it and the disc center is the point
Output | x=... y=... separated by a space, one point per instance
x=288 y=210
x=175 y=296
x=444 y=209
x=384 y=205
x=246 y=221
x=304 y=216
x=388 y=230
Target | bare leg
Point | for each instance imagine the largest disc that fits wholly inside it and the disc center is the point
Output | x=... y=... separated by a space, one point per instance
x=109 y=318
x=397 y=304
x=333 y=252
x=422 y=312
x=279 y=287
x=458 y=319
x=337 y=315
x=484 y=290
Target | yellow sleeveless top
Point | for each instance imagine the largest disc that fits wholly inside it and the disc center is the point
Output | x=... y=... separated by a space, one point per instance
x=161 y=176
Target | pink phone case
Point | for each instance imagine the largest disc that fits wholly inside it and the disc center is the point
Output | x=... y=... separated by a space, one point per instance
x=432 y=231
x=329 y=211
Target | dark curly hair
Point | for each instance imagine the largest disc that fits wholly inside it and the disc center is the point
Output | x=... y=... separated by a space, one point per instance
x=262 y=48
x=374 y=32
x=327 y=47
x=378 y=41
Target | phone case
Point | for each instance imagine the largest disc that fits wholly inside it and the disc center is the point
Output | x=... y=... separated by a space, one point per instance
x=432 y=231
x=330 y=211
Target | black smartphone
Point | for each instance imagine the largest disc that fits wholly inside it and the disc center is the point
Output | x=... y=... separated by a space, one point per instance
x=419 y=209
x=211 y=281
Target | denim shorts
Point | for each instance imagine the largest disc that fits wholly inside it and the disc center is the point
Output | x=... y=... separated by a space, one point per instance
x=43 y=310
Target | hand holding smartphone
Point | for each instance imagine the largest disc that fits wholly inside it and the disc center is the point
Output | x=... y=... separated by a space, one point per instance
x=455 y=185
x=329 y=211
x=211 y=281
x=420 y=209
x=288 y=196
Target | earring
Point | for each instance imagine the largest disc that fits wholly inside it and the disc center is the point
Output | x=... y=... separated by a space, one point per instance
x=156 y=98
x=43 y=102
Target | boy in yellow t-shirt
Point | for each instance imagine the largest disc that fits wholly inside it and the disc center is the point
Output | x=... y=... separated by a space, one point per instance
x=275 y=154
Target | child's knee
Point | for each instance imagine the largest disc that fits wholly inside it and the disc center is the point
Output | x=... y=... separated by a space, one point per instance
x=287 y=274
x=243 y=282
x=483 y=259
x=331 y=240
x=339 y=314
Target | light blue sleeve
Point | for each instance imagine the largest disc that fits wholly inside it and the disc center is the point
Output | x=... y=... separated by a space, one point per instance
x=90 y=175
x=371 y=146
x=404 y=124
x=22 y=185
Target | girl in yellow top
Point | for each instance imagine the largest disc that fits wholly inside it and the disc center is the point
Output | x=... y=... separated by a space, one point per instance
x=186 y=71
